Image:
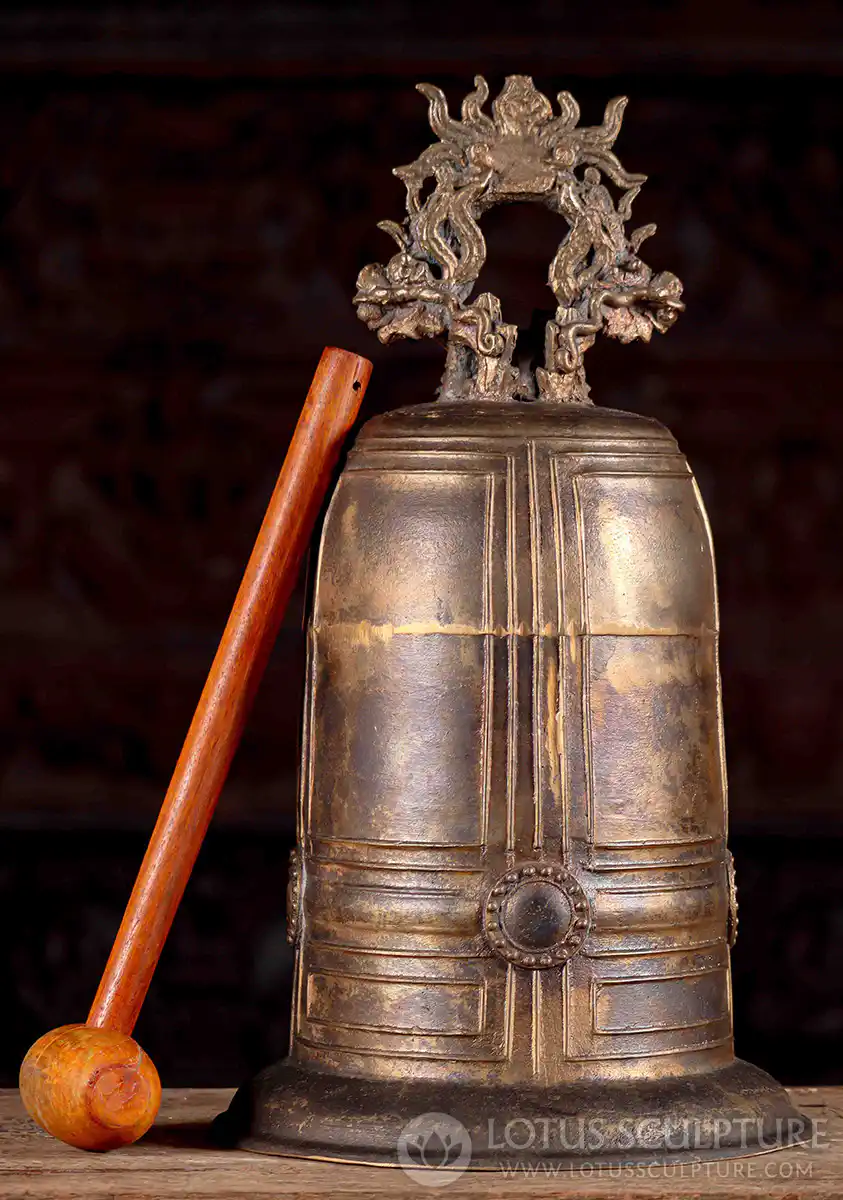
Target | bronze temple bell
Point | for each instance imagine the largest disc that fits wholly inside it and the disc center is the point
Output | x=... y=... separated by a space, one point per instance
x=512 y=897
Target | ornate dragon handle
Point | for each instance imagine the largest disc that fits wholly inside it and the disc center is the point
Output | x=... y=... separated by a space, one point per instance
x=522 y=152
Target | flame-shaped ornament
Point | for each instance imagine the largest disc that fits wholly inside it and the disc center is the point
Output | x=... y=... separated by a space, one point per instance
x=524 y=151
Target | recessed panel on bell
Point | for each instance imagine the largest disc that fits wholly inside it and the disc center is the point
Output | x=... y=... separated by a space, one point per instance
x=661 y=1003
x=665 y=1005
x=402 y=551
x=648 y=566
x=422 y=1009
x=653 y=740
x=395 y=1006
x=387 y=704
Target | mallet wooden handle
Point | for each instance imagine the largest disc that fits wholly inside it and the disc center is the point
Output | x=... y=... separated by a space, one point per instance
x=329 y=412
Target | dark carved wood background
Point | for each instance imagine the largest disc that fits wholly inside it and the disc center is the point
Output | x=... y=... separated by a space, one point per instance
x=187 y=195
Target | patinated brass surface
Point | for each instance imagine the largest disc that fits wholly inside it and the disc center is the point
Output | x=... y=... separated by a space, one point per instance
x=523 y=151
x=512 y=897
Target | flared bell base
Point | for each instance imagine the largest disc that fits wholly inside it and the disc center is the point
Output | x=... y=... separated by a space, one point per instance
x=732 y=1111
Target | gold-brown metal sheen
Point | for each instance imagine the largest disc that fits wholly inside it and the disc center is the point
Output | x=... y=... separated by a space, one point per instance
x=512 y=899
x=522 y=152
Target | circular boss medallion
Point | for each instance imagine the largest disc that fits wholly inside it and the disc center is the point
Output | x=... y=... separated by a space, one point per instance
x=536 y=915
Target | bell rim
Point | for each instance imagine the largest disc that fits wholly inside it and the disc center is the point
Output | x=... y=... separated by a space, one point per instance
x=264 y=1118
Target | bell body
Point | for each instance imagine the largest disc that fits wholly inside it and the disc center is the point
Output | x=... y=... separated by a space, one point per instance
x=512 y=898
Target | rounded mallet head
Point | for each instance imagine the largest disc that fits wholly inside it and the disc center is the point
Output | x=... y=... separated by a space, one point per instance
x=92 y=1088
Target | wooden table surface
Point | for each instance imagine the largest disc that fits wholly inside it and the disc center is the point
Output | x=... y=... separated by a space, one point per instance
x=175 y=1159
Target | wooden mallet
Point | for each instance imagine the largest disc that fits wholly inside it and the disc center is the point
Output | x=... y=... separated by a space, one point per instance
x=91 y=1085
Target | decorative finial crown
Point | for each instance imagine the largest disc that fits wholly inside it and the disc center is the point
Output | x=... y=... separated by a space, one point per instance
x=523 y=151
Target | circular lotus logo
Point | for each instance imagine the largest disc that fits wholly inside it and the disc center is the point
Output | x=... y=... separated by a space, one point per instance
x=434 y=1149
